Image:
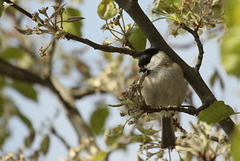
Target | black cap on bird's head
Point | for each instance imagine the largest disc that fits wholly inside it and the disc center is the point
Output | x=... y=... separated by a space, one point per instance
x=145 y=58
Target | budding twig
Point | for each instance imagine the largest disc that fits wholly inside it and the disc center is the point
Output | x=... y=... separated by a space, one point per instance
x=199 y=44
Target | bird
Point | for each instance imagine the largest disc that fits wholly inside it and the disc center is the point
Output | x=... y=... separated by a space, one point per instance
x=164 y=85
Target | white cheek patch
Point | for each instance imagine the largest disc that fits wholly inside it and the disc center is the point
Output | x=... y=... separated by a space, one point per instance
x=154 y=62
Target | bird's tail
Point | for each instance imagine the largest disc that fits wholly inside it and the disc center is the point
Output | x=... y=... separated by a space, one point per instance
x=168 y=135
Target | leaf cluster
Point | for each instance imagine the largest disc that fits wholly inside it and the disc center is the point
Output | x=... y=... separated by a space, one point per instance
x=197 y=14
x=128 y=35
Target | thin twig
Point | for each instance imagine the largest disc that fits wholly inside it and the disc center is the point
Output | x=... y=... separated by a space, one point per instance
x=177 y=125
x=20 y=9
x=51 y=51
x=60 y=138
x=79 y=93
x=199 y=44
x=50 y=54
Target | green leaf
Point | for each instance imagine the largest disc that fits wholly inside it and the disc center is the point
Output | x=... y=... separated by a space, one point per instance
x=107 y=55
x=149 y=131
x=235 y=144
x=216 y=77
x=117 y=130
x=215 y=113
x=230 y=48
x=2 y=82
x=2 y=101
x=107 y=9
x=167 y=7
x=232 y=12
x=113 y=135
x=213 y=78
x=24 y=119
x=25 y=89
x=24 y=31
x=23 y=59
x=141 y=138
x=45 y=145
x=74 y=19
x=74 y=27
x=230 y=52
x=98 y=119
x=110 y=140
x=1 y=8
x=5 y=133
x=30 y=138
x=136 y=38
x=12 y=53
x=100 y=156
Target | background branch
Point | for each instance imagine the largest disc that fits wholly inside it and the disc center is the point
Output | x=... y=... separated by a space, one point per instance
x=67 y=100
x=82 y=130
x=17 y=73
x=65 y=97
x=80 y=93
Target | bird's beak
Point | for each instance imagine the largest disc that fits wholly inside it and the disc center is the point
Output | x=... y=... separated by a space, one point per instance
x=142 y=69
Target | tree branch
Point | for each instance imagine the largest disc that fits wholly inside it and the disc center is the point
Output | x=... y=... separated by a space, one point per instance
x=190 y=111
x=106 y=48
x=17 y=73
x=191 y=75
x=82 y=129
x=199 y=44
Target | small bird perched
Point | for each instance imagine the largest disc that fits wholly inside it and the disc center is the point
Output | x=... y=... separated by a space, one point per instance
x=164 y=85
